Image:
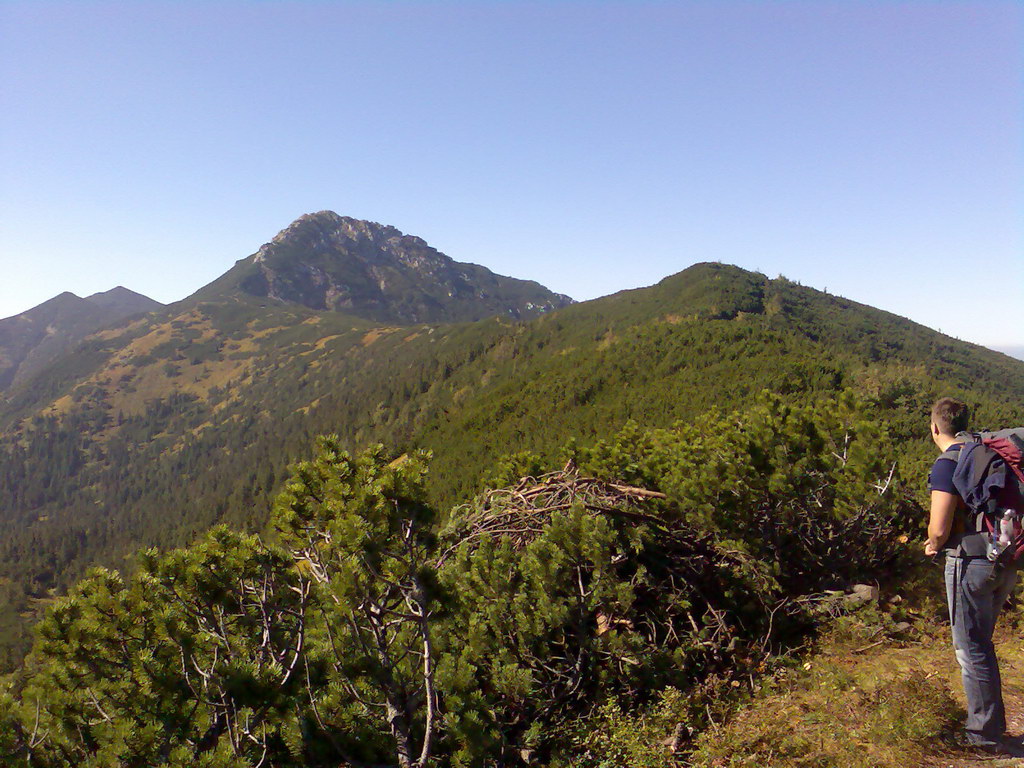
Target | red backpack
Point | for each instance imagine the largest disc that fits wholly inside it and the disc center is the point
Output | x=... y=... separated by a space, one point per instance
x=989 y=477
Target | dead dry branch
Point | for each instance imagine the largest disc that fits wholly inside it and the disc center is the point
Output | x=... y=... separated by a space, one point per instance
x=520 y=513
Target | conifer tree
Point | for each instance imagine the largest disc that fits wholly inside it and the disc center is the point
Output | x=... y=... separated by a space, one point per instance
x=14 y=742
x=524 y=647
x=194 y=660
x=359 y=530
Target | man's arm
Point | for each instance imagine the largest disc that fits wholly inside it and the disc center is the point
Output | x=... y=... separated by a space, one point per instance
x=940 y=520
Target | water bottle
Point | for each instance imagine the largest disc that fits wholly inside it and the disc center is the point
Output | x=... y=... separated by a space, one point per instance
x=1006 y=530
x=1008 y=527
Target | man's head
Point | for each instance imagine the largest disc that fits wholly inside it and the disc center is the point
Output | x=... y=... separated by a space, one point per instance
x=949 y=417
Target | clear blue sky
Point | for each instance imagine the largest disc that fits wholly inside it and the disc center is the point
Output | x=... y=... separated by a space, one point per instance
x=873 y=149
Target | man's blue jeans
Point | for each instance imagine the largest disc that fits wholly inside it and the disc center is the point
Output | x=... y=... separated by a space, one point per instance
x=976 y=593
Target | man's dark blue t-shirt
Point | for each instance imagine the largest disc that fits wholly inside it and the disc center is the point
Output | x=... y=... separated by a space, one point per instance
x=941 y=476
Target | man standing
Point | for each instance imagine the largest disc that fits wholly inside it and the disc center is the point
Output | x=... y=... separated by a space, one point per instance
x=975 y=589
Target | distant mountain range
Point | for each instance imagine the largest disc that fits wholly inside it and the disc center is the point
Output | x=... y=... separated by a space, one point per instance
x=321 y=261
x=149 y=425
x=33 y=339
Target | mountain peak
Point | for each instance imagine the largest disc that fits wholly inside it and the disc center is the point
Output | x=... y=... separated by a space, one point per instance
x=117 y=290
x=123 y=301
x=62 y=299
x=326 y=261
x=325 y=229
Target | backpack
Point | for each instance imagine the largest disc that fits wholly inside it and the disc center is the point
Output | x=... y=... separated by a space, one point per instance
x=989 y=477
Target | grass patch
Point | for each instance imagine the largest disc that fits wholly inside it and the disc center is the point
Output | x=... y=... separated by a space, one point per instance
x=882 y=691
x=838 y=714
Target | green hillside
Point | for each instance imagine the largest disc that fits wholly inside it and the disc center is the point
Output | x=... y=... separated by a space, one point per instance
x=151 y=432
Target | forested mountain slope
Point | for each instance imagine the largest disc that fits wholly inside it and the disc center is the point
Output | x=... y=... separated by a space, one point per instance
x=711 y=336
x=152 y=431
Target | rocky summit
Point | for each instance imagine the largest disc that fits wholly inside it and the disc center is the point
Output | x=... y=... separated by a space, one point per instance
x=329 y=262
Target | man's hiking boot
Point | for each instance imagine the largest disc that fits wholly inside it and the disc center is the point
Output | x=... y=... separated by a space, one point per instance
x=994 y=747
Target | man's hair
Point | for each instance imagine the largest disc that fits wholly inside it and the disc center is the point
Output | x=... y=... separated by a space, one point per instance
x=950 y=416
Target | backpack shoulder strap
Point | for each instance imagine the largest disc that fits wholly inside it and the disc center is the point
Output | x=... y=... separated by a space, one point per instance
x=956 y=454
x=951 y=455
